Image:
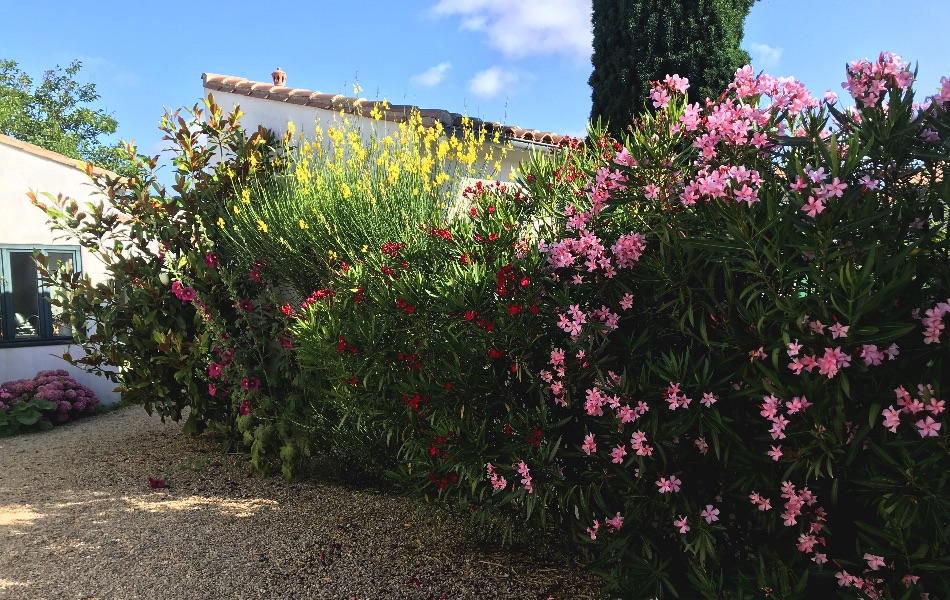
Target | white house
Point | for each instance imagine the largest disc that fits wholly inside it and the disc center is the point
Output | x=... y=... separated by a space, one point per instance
x=32 y=331
x=273 y=105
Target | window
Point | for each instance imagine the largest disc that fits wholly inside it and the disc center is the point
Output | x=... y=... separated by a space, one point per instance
x=26 y=316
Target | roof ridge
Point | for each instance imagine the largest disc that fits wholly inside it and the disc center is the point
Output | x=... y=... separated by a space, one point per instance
x=62 y=159
x=362 y=107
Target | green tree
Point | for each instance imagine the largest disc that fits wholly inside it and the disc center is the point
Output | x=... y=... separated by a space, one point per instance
x=638 y=41
x=56 y=114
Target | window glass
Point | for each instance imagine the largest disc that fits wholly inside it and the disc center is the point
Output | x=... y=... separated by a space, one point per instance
x=57 y=261
x=25 y=292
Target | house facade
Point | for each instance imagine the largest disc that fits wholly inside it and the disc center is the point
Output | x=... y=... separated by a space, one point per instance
x=32 y=331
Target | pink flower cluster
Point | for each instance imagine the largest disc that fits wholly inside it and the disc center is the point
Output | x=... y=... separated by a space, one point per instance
x=723 y=183
x=525 y=473
x=660 y=90
x=771 y=409
x=868 y=82
x=670 y=485
x=498 y=482
x=942 y=97
x=611 y=525
x=555 y=386
x=676 y=399
x=817 y=188
x=924 y=403
x=588 y=250
x=785 y=93
x=933 y=322
x=835 y=359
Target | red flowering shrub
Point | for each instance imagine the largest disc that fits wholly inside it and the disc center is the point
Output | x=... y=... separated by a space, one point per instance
x=428 y=346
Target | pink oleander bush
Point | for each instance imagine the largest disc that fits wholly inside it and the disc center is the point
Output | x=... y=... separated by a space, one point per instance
x=737 y=346
x=752 y=298
x=51 y=397
x=713 y=354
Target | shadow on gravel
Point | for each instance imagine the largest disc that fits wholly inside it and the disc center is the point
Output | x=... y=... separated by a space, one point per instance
x=81 y=521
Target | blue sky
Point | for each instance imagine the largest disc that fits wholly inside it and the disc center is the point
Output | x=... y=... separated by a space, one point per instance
x=523 y=62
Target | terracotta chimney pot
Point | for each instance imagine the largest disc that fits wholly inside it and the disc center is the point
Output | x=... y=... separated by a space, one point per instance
x=279 y=77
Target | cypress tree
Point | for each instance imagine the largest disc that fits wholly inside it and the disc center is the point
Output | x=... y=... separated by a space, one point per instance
x=638 y=41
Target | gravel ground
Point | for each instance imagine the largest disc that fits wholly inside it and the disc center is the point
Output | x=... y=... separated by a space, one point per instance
x=79 y=520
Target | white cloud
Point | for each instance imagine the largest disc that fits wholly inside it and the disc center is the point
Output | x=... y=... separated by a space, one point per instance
x=765 y=56
x=526 y=27
x=432 y=76
x=491 y=82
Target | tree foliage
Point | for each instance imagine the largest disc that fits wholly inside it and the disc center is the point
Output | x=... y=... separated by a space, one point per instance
x=57 y=114
x=638 y=41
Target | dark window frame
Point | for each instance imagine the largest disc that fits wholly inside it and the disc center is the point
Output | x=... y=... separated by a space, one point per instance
x=8 y=323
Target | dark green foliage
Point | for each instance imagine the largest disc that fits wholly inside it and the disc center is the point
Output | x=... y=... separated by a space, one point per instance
x=55 y=114
x=636 y=42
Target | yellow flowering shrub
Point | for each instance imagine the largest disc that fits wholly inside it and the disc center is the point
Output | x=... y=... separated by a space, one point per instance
x=354 y=184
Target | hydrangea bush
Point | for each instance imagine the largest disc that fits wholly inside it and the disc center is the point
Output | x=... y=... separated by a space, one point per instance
x=51 y=397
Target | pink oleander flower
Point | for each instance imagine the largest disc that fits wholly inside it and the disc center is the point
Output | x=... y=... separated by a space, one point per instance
x=626 y=303
x=710 y=514
x=681 y=524
x=775 y=452
x=928 y=427
x=838 y=331
x=797 y=404
x=498 y=482
x=874 y=562
x=615 y=523
x=794 y=348
x=592 y=531
x=868 y=82
x=628 y=249
x=590 y=445
x=760 y=501
x=891 y=418
x=618 y=453
x=701 y=445
x=525 y=473
x=806 y=542
x=669 y=485
x=709 y=399
x=813 y=207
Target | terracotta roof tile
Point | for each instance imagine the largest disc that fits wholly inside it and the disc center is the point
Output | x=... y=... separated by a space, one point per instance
x=362 y=106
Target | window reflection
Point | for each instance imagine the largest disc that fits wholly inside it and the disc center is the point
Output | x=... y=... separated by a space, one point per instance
x=25 y=294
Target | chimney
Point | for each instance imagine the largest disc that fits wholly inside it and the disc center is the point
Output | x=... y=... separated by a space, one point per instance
x=279 y=77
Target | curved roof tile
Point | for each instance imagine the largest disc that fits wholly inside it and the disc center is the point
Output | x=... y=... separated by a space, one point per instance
x=362 y=106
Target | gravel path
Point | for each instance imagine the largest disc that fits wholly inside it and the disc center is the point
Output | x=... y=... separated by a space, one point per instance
x=78 y=520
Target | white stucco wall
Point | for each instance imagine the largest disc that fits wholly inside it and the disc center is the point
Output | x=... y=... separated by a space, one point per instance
x=24 y=224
